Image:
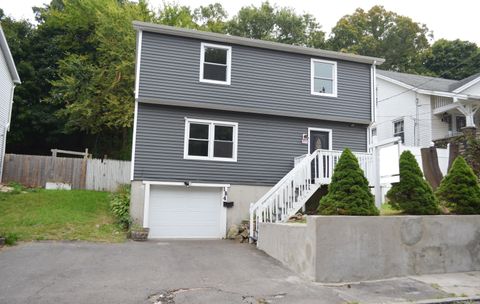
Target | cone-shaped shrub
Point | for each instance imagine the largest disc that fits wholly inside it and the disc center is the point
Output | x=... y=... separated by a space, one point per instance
x=459 y=190
x=412 y=195
x=348 y=192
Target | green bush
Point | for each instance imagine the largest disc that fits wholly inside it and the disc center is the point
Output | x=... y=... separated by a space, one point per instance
x=10 y=238
x=412 y=195
x=459 y=189
x=348 y=192
x=120 y=205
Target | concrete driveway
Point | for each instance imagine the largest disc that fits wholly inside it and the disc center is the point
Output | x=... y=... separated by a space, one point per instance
x=172 y=272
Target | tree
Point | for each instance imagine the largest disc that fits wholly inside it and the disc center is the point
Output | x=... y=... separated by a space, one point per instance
x=452 y=59
x=283 y=25
x=382 y=33
x=459 y=189
x=96 y=78
x=412 y=194
x=348 y=192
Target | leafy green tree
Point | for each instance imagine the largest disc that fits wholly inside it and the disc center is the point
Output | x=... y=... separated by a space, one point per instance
x=382 y=33
x=412 y=194
x=96 y=79
x=459 y=189
x=283 y=25
x=348 y=192
x=452 y=59
x=211 y=18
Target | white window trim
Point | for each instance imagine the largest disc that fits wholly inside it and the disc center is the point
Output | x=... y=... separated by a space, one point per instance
x=312 y=74
x=330 y=137
x=211 y=139
x=229 y=62
x=393 y=125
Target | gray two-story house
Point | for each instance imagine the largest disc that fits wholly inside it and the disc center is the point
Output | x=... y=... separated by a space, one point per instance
x=219 y=120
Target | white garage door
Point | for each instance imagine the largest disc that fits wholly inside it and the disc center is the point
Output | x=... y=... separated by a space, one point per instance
x=186 y=212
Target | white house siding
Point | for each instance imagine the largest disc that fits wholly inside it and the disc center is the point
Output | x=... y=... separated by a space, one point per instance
x=394 y=103
x=424 y=127
x=6 y=90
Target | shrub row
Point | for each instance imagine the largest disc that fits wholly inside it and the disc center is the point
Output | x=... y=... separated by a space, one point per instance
x=349 y=194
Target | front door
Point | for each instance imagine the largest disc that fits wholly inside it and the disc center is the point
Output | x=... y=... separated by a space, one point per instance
x=319 y=140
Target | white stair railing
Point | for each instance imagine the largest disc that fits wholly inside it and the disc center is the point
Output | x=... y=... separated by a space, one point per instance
x=291 y=193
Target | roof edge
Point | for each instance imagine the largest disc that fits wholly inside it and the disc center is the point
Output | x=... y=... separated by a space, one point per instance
x=8 y=57
x=189 y=33
x=467 y=85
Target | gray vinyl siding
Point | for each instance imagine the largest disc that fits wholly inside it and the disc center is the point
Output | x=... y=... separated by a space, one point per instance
x=266 y=145
x=261 y=81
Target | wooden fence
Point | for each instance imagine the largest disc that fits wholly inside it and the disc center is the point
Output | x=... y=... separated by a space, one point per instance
x=80 y=173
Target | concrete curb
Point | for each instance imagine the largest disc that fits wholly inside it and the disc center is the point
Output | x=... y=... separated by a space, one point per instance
x=443 y=301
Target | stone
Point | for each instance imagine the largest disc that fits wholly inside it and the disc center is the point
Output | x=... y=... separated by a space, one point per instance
x=232 y=232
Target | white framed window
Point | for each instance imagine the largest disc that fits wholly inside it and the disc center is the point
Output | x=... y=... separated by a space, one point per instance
x=399 y=129
x=210 y=140
x=215 y=63
x=323 y=77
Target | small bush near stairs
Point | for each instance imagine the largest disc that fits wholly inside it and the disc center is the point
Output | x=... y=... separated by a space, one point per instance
x=459 y=190
x=348 y=192
x=412 y=195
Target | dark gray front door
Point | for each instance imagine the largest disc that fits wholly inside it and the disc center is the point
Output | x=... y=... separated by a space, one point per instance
x=319 y=140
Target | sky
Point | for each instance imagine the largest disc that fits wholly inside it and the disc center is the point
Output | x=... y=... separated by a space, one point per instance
x=447 y=19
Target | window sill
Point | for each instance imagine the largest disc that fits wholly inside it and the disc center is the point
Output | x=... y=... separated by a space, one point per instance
x=324 y=94
x=215 y=82
x=217 y=159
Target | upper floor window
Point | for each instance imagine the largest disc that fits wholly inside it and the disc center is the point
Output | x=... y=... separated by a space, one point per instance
x=210 y=140
x=215 y=63
x=399 y=129
x=324 y=78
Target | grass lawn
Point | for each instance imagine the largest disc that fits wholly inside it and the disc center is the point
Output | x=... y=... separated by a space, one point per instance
x=387 y=209
x=59 y=215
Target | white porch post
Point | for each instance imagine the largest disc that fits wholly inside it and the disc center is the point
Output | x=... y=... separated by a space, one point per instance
x=469 y=111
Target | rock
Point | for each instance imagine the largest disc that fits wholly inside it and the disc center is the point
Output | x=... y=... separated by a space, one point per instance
x=232 y=232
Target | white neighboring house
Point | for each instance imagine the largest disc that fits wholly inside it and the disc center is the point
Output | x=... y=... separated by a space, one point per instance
x=8 y=80
x=422 y=109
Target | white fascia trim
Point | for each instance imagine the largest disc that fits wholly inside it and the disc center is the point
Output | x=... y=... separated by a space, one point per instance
x=203 y=45
x=467 y=85
x=312 y=79
x=421 y=91
x=211 y=135
x=134 y=140
x=182 y=184
x=137 y=62
x=330 y=137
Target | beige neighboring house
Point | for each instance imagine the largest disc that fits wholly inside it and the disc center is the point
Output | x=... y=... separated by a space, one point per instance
x=422 y=109
x=8 y=80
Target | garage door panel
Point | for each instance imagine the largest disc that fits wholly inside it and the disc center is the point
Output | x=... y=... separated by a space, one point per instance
x=181 y=212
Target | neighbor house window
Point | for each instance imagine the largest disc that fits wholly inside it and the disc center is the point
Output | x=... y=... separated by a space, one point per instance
x=461 y=123
x=324 y=78
x=399 y=129
x=215 y=63
x=210 y=140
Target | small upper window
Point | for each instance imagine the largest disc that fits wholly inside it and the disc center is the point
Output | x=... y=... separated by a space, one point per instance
x=324 y=78
x=399 y=129
x=215 y=63
x=210 y=140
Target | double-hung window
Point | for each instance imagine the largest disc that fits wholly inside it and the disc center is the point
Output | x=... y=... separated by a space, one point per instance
x=323 y=78
x=210 y=140
x=399 y=129
x=215 y=63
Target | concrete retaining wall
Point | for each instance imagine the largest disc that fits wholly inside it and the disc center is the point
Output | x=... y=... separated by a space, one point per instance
x=351 y=248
